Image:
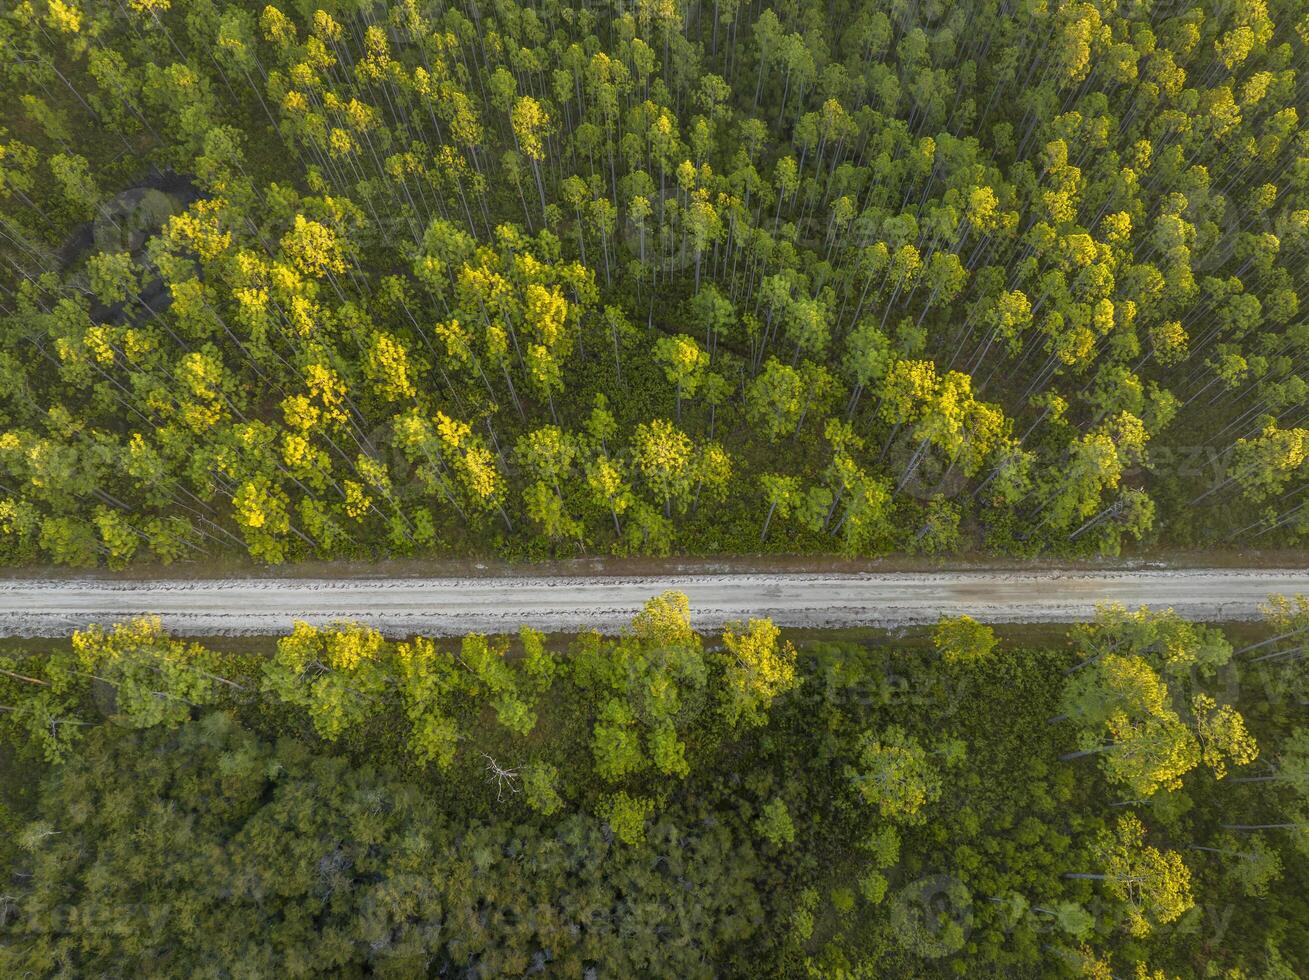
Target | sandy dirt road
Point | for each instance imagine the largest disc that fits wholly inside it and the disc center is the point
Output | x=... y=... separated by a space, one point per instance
x=446 y=606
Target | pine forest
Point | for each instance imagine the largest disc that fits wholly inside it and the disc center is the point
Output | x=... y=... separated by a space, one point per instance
x=532 y=281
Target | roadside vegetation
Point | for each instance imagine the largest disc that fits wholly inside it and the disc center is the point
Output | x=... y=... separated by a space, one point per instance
x=1129 y=800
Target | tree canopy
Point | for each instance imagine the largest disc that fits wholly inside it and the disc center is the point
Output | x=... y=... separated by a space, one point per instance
x=338 y=802
x=284 y=283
